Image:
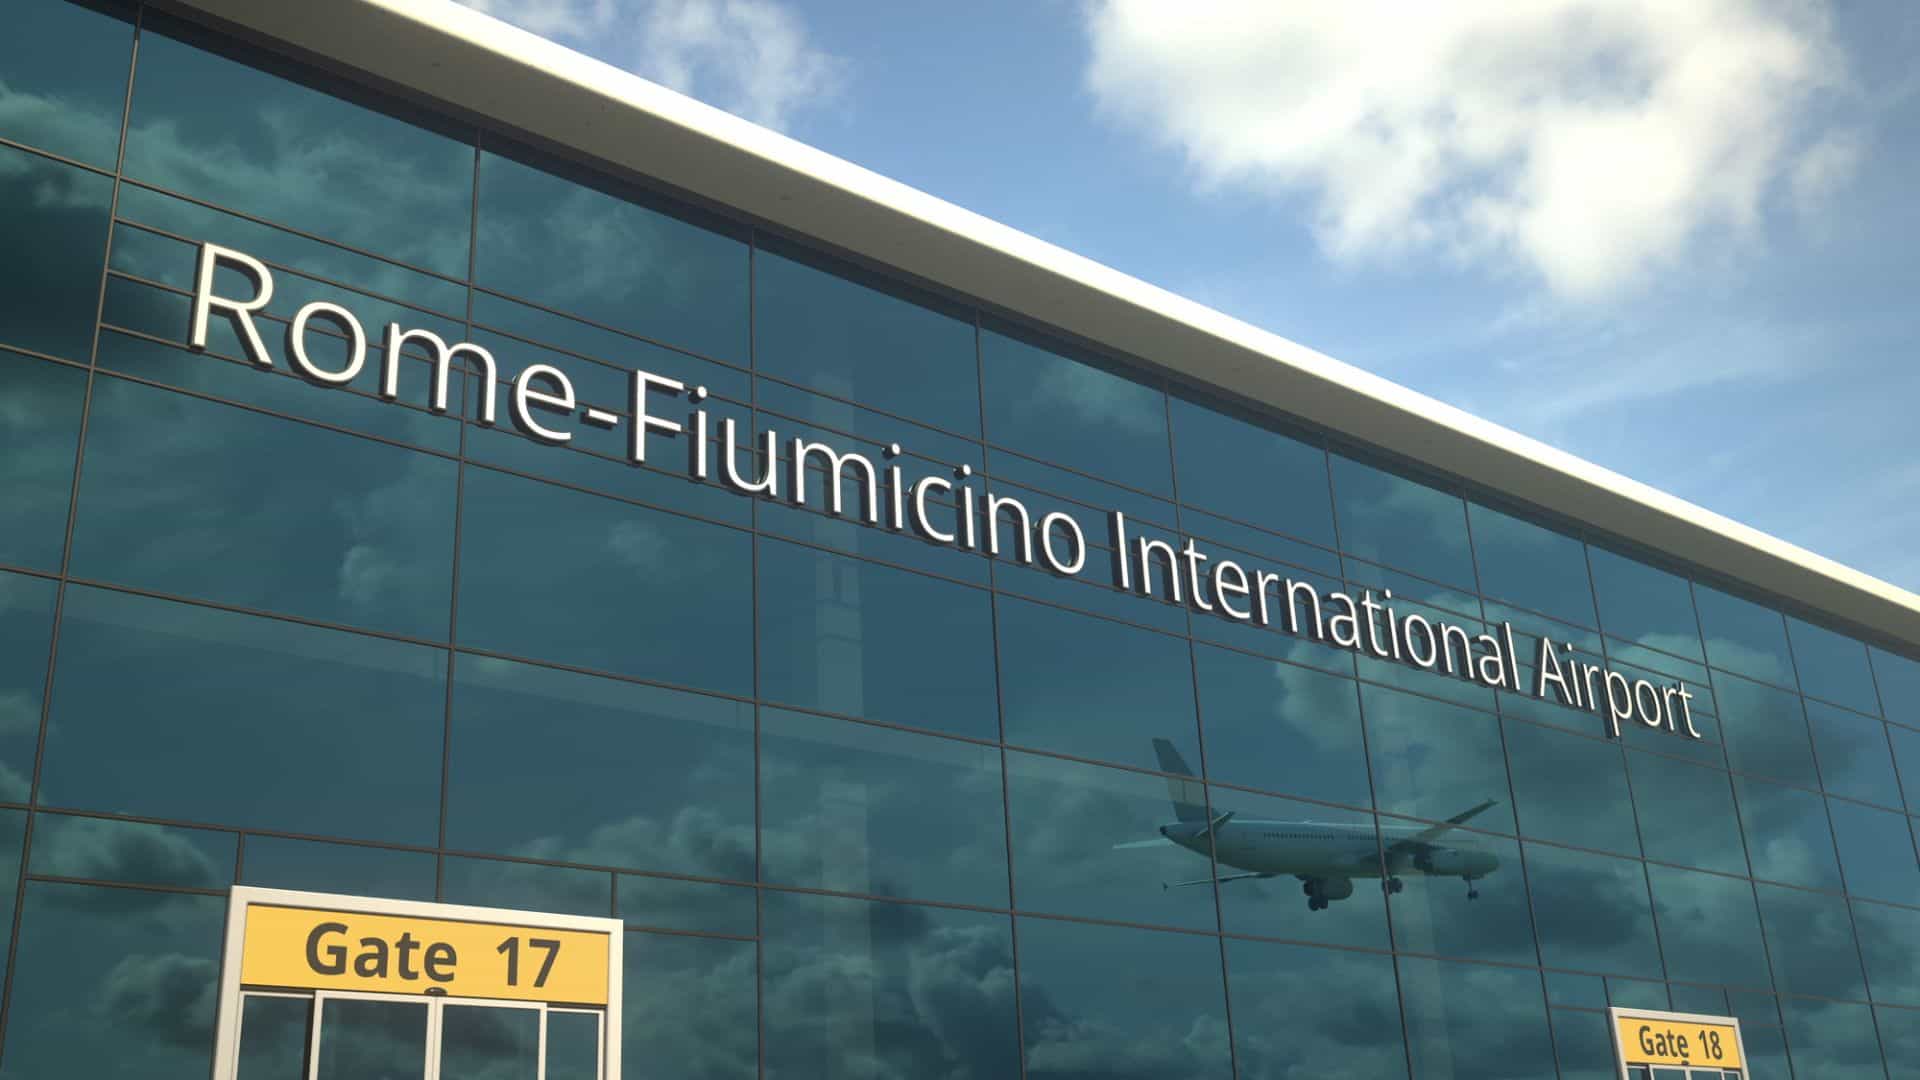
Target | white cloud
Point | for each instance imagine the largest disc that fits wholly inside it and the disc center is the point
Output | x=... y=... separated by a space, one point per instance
x=751 y=57
x=1590 y=141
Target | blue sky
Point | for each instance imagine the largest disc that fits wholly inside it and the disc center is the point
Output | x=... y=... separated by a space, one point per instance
x=1678 y=240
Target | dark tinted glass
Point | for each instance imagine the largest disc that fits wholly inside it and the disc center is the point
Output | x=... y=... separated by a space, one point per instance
x=315 y=866
x=856 y=989
x=1810 y=941
x=37 y=441
x=1832 y=667
x=149 y=960
x=172 y=710
x=1569 y=789
x=1310 y=854
x=689 y=1005
x=1249 y=473
x=1876 y=852
x=1584 y=1045
x=1403 y=523
x=1709 y=930
x=626 y=775
x=1744 y=637
x=1899 y=1039
x=1766 y=731
x=26 y=628
x=560 y=575
x=275 y=1047
x=627 y=263
x=1534 y=567
x=526 y=886
x=1855 y=759
x=1280 y=727
x=1114 y=1001
x=1434 y=760
x=1832 y=1040
x=1097 y=689
x=327 y=526
x=66 y=82
x=1473 y=1020
x=1471 y=903
x=13 y=824
x=850 y=338
x=674 y=904
x=1044 y=404
x=220 y=130
x=136 y=853
x=1646 y=606
x=57 y=214
x=1686 y=814
x=846 y=636
x=1788 y=836
x=861 y=809
x=1906 y=756
x=1592 y=911
x=1890 y=945
x=1899 y=681
x=1300 y=1011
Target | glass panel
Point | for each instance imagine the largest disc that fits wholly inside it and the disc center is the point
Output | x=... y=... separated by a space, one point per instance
x=1096 y=689
x=1709 y=930
x=1788 y=836
x=1832 y=1041
x=1584 y=1046
x=1648 y=607
x=1766 y=731
x=114 y=982
x=26 y=628
x=624 y=261
x=1744 y=637
x=1579 y=991
x=527 y=886
x=160 y=708
x=38 y=433
x=1471 y=1020
x=1215 y=454
x=58 y=214
x=1321 y=867
x=846 y=636
x=66 y=80
x=13 y=825
x=1042 y=403
x=857 y=989
x=1403 y=523
x=1089 y=1008
x=1571 y=790
x=1876 y=852
x=216 y=129
x=371 y=1040
x=1284 y=728
x=102 y=849
x=1637 y=994
x=672 y=904
x=1471 y=903
x=1890 y=946
x=1686 y=814
x=1435 y=761
x=624 y=775
x=1086 y=841
x=1300 y=1011
x=849 y=336
x=573 y=1045
x=273 y=1037
x=1535 y=567
x=560 y=575
x=1832 y=667
x=315 y=866
x=479 y=1042
x=689 y=1005
x=326 y=526
x=860 y=809
x=1810 y=939
x=1593 y=912
x=1899 y=681
x=1906 y=755
x=1899 y=1039
x=1855 y=759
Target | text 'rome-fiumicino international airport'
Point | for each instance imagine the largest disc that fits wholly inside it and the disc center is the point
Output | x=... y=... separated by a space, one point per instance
x=506 y=571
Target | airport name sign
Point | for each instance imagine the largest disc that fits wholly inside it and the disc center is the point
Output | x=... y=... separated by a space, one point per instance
x=943 y=509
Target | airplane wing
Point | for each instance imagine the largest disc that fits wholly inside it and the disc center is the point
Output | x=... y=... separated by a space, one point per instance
x=1208 y=880
x=1158 y=841
x=1429 y=835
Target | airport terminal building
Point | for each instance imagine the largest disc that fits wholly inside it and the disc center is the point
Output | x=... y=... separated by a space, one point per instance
x=508 y=572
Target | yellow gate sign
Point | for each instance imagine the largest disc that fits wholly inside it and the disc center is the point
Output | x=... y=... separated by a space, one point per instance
x=1676 y=1040
x=323 y=949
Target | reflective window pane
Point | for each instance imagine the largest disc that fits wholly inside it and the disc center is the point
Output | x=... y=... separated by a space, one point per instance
x=13 y=825
x=626 y=261
x=1810 y=941
x=1788 y=836
x=855 y=989
x=560 y=575
x=362 y=1039
x=1289 y=729
x=26 y=630
x=1686 y=814
x=1300 y=1011
x=58 y=214
x=1571 y=790
x=689 y=1005
x=103 y=849
x=215 y=128
x=573 y=1045
x=1899 y=1039
x=1249 y=473
x=673 y=904
x=1473 y=1020
x=315 y=866
x=522 y=886
x=158 y=710
x=1045 y=404
x=275 y=1045
x=1906 y=755
x=1584 y=1046
x=627 y=776
x=1898 y=678
x=1832 y=1040
x=1855 y=757
x=37 y=441
x=1640 y=604
x=1744 y=637
x=66 y=80
x=854 y=338
x=1436 y=761
x=861 y=809
x=1832 y=667
x=1593 y=912
x=1299 y=871
x=1532 y=566
x=1766 y=731
x=480 y=1042
x=1463 y=894
x=1709 y=929
x=1403 y=523
x=846 y=636
x=1094 y=688
x=1114 y=1001
x=1890 y=945
x=1876 y=852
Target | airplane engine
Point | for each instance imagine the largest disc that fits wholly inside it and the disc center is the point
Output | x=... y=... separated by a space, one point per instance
x=1337 y=888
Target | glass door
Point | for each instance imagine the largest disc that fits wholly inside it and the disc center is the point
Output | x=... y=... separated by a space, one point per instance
x=489 y=1041
x=369 y=1037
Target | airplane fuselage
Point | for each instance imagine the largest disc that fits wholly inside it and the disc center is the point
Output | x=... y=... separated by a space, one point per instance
x=1314 y=849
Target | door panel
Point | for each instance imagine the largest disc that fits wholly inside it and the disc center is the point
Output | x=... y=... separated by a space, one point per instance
x=362 y=1039
x=486 y=1042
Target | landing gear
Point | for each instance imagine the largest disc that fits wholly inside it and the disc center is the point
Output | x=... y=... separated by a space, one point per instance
x=1393 y=885
x=1472 y=893
x=1316 y=903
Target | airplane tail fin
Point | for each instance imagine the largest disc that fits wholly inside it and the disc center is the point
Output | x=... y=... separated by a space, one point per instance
x=1189 y=798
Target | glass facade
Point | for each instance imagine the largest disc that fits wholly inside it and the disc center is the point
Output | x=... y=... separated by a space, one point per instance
x=867 y=805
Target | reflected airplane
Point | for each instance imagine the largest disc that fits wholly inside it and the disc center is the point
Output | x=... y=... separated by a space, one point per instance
x=1325 y=856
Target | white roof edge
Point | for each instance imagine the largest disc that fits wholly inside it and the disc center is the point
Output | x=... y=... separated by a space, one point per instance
x=446 y=52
